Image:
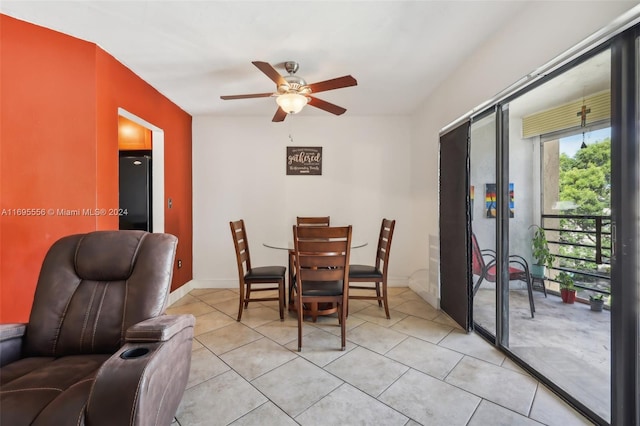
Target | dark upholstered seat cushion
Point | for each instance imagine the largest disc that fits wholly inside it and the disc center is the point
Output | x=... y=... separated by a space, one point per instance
x=20 y=368
x=364 y=271
x=265 y=273
x=322 y=288
x=31 y=384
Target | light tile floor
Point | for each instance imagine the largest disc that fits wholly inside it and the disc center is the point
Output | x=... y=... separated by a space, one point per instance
x=418 y=367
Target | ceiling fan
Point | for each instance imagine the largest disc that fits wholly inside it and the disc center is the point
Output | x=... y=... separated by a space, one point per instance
x=293 y=92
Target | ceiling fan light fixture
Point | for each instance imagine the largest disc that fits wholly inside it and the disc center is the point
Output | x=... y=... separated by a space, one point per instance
x=291 y=103
x=293 y=93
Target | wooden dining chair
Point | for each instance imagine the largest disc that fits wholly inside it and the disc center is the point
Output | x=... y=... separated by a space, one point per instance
x=322 y=271
x=376 y=273
x=249 y=276
x=486 y=269
x=303 y=221
x=313 y=220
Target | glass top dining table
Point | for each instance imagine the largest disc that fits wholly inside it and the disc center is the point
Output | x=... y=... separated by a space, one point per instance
x=281 y=245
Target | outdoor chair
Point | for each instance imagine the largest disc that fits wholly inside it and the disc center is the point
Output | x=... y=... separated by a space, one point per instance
x=518 y=269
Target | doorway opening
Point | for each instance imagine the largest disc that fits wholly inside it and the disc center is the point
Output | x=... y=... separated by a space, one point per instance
x=154 y=149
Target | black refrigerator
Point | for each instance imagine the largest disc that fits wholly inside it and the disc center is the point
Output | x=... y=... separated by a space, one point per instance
x=135 y=191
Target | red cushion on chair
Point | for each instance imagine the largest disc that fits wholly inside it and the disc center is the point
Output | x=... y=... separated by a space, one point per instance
x=514 y=273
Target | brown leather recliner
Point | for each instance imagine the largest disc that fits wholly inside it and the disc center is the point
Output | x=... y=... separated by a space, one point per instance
x=97 y=349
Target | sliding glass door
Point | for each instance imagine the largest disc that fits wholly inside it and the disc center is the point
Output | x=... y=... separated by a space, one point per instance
x=541 y=165
x=554 y=235
x=560 y=173
x=483 y=207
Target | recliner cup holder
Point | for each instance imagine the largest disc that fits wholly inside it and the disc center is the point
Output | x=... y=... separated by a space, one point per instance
x=134 y=353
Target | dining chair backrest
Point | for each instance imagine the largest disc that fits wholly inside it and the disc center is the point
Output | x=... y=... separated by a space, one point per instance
x=322 y=271
x=370 y=281
x=241 y=244
x=255 y=279
x=322 y=253
x=384 y=244
x=313 y=221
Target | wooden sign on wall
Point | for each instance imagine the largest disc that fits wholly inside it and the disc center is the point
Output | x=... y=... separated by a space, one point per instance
x=304 y=160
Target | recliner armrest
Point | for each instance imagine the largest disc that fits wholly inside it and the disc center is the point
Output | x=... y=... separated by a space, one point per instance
x=143 y=382
x=11 y=336
x=158 y=329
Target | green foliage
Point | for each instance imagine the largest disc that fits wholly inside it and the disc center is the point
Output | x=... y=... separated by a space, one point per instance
x=586 y=179
x=598 y=296
x=566 y=281
x=540 y=248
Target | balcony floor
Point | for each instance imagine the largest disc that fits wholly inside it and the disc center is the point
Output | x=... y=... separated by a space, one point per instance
x=568 y=343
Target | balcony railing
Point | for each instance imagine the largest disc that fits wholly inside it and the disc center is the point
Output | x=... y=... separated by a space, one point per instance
x=582 y=246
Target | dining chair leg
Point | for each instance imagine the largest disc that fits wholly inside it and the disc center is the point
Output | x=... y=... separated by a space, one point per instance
x=385 y=300
x=300 y=314
x=281 y=297
x=241 y=305
x=343 y=325
x=346 y=314
x=292 y=288
x=291 y=280
x=378 y=294
x=247 y=296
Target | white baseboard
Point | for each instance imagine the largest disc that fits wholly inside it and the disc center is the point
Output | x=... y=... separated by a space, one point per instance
x=221 y=284
x=179 y=293
x=193 y=284
x=419 y=282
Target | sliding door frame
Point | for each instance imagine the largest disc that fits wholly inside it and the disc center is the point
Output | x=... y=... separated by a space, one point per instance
x=502 y=226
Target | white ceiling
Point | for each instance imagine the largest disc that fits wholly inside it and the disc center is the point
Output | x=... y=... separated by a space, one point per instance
x=195 y=51
x=587 y=78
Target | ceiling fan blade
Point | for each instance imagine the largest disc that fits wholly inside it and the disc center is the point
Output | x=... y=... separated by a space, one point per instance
x=253 y=95
x=327 y=106
x=280 y=115
x=270 y=72
x=335 y=83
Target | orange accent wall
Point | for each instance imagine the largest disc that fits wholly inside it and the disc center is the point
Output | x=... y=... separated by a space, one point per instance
x=132 y=136
x=59 y=100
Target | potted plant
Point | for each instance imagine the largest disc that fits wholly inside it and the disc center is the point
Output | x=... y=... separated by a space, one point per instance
x=541 y=254
x=567 y=287
x=597 y=302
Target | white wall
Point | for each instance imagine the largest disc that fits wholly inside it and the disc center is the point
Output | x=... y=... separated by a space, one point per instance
x=541 y=32
x=239 y=172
